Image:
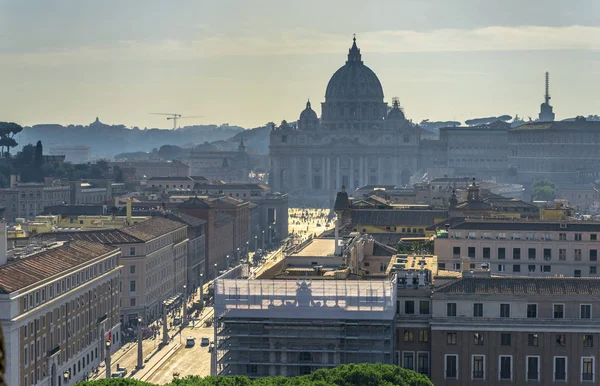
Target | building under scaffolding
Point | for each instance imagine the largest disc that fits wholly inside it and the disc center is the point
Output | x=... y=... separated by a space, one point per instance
x=288 y=328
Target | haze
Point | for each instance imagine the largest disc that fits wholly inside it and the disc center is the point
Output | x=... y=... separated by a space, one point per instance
x=248 y=63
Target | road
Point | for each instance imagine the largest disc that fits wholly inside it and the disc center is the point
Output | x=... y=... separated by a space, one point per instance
x=302 y=225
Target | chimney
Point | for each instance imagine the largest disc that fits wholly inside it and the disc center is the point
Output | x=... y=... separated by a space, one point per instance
x=3 y=243
x=421 y=278
x=128 y=206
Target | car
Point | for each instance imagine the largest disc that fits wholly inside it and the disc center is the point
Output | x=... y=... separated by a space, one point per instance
x=117 y=374
x=122 y=370
x=205 y=341
x=190 y=341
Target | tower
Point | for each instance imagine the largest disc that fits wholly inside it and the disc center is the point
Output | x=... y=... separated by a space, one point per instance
x=546 y=113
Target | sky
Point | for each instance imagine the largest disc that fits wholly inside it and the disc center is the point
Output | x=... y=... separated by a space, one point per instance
x=250 y=62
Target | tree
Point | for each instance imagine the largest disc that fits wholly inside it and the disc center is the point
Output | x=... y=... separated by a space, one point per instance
x=7 y=132
x=543 y=190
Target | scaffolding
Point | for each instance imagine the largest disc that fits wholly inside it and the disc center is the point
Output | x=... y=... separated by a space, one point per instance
x=289 y=328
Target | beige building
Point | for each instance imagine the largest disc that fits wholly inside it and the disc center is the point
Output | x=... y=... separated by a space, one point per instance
x=154 y=259
x=521 y=247
x=57 y=309
x=28 y=199
x=517 y=331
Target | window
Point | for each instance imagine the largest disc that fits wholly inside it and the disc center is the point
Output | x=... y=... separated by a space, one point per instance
x=505 y=310
x=408 y=360
x=409 y=307
x=585 y=311
x=532 y=340
x=516 y=268
x=471 y=252
x=451 y=309
x=424 y=336
x=132 y=269
x=456 y=266
x=252 y=369
x=577 y=254
x=588 y=340
x=517 y=253
x=587 y=369
x=132 y=251
x=546 y=268
x=132 y=286
x=456 y=251
x=478 y=367
x=593 y=255
x=547 y=254
x=505 y=339
x=501 y=268
x=531 y=268
x=424 y=307
x=562 y=254
x=577 y=273
x=408 y=335
x=451 y=366
x=561 y=340
x=502 y=253
x=593 y=270
x=559 y=311
x=505 y=364
x=478 y=310
x=478 y=338
x=451 y=338
x=132 y=302
x=560 y=368
x=562 y=236
x=533 y=368
x=423 y=363
x=577 y=236
x=486 y=252
x=531 y=252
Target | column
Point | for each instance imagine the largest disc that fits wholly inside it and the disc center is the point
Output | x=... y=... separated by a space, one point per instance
x=351 y=183
x=329 y=173
x=361 y=171
x=338 y=173
x=310 y=171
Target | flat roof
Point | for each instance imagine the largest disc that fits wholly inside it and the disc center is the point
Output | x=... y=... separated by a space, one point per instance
x=318 y=247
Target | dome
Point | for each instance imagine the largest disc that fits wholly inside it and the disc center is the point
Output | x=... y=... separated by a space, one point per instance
x=308 y=113
x=396 y=112
x=354 y=80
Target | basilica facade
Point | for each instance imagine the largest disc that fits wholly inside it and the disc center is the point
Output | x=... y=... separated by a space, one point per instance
x=358 y=141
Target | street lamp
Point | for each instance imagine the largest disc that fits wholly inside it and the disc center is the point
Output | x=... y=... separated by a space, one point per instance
x=263 y=241
x=107 y=343
x=255 y=243
x=202 y=289
x=215 y=271
x=238 y=254
x=227 y=262
x=184 y=321
x=140 y=362
x=66 y=376
x=165 y=339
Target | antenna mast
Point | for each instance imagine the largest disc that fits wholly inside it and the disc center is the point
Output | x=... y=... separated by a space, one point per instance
x=547 y=96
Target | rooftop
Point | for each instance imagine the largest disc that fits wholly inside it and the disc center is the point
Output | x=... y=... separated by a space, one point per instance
x=153 y=228
x=397 y=217
x=527 y=225
x=524 y=286
x=27 y=271
x=559 y=125
x=317 y=247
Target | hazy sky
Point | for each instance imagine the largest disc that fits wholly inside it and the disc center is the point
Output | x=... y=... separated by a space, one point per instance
x=250 y=62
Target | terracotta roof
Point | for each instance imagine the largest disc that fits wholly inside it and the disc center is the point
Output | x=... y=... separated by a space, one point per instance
x=524 y=286
x=396 y=217
x=169 y=178
x=108 y=236
x=44 y=265
x=527 y=225
x=186 y=219
x=153 y=228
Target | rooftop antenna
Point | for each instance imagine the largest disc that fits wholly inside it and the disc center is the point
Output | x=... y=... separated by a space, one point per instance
x=547 y=96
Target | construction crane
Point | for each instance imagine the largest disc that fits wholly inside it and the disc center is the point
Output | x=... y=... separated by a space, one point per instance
x=175 y=117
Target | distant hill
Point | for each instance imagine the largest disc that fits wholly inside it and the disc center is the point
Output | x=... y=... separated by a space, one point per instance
x=108 y=140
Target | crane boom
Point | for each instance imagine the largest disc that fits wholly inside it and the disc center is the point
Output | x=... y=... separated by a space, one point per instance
x=176 y=117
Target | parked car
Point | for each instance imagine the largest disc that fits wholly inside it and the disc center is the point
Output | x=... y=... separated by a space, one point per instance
x=205 y=341
x=122 y=370
x=190 y=341
x=117 y=374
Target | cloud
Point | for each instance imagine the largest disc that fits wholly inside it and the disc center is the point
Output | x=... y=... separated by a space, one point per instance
x=310 y=42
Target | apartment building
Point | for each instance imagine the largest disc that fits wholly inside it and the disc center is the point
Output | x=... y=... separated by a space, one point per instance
x=521 y=247
x=503 y=331
x=154 y=259
x=196 y=260
x=28 y=199
x=58 y=307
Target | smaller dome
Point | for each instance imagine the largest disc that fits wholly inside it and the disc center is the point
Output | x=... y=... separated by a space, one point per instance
x=308 y=113
x=396 y=112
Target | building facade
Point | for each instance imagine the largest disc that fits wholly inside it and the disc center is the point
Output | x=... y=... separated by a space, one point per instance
x=73 y=154
x=209 y=161
x=58 y=307
x=359 y=140
x=521 y=247
x=28 y=199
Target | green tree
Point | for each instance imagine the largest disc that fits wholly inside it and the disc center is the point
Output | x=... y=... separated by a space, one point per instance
x=7 y=132
x=543 y=190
